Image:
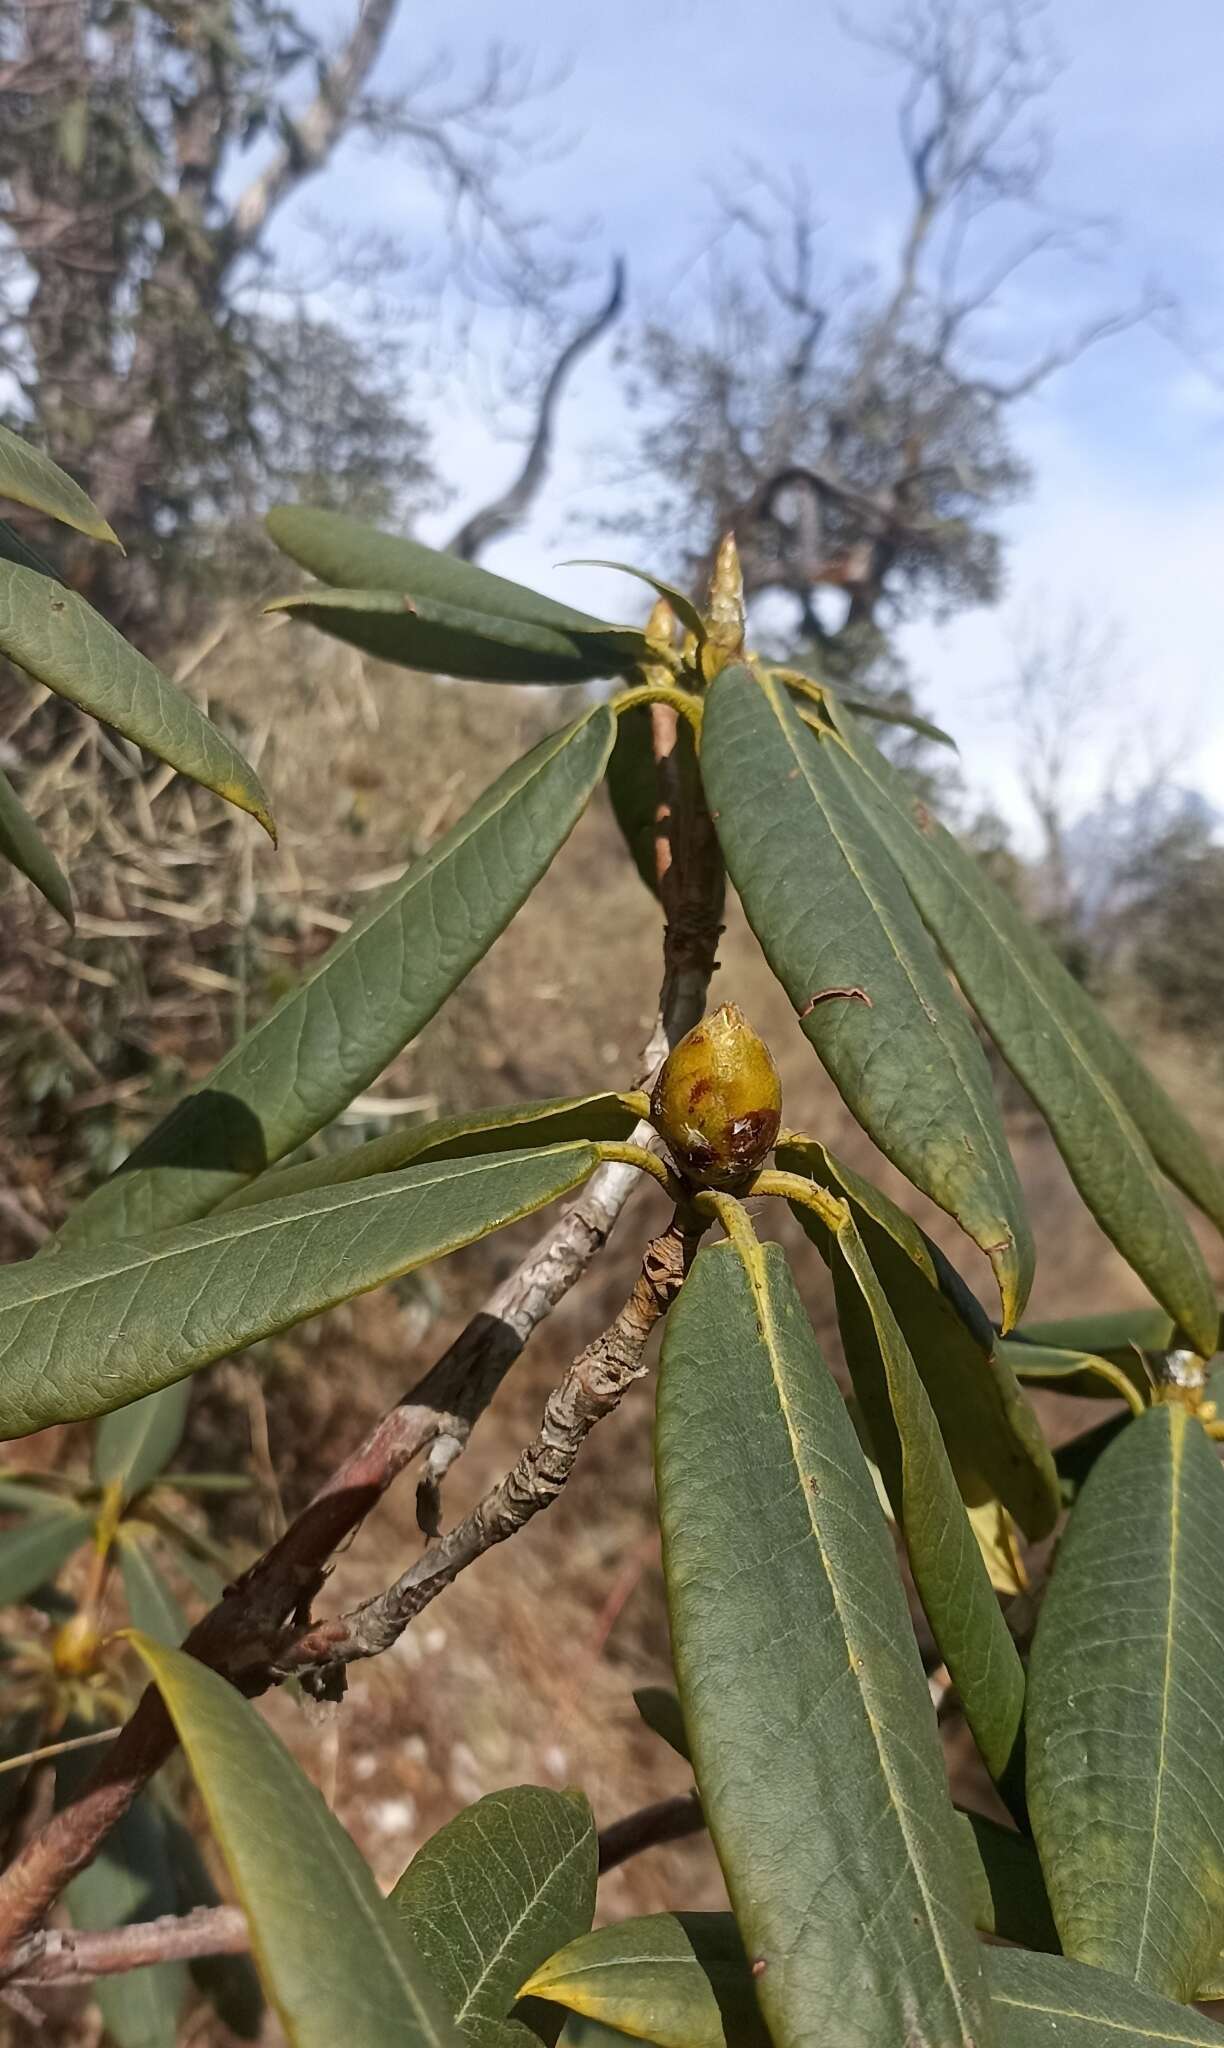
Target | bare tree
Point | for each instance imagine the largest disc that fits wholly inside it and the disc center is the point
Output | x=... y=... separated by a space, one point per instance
x=132 y=246
x=855 y=431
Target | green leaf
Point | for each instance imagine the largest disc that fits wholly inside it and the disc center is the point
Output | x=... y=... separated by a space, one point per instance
x=993 y=1439
x=812 y=1731
x=229 y=1983
x=1114 y=1334
x=1126 y=1705
x=14 y=549
x=23 y=845
x=333 y=1962
x=445 y=639
x=1075 y=1459
x=133 y=1446
x=1081 y=1373
x=949 y=1573
x=34 y=1552
x=1008 y=1890
x=891 y=714
x=494 y=1893
x=374 y=989
x=153 y=1608
x=684 y=608
x=61 y=641
x=840 y=932
x=483 y=1131
x=633 y=786
x=85 y=1331
x=678 y=1980
x=663 y=1715
x=1048 y=2002
x=32 y=479
x=1056 y=1043
x=129 y=1880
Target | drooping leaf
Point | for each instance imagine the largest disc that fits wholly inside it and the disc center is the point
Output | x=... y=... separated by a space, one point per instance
x=508 y=1129
x=85 y=1331
x=133 y=1446
x=1126 y=1704
x=678 y=1980
x=331 y=1957
x=494 y=1893
x=131 y=1879
x=877 y=708
x=684 y=608
x=430 y=611
x=13 y=548
x=841 y=933
x=31 y=478
x=367 y=998
x=664 y=1716
x=229 y=1983
x=812 y=1731
x=948 y=1569
x=23 y=845
x=1108 y=1118
x=633 y=786
x=34 y=1551
x=57 y=638
x=993 y=1439
x=152 y=1604
x=1048 y=2002
x=1114 y=1334
x=1081 y=1373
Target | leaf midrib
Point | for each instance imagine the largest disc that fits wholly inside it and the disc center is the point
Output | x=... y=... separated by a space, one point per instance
x=1178 y=1424
x=502 y=1947
x=754 y=1266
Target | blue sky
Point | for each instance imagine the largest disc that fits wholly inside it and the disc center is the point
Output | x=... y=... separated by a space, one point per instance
x=1127 y=513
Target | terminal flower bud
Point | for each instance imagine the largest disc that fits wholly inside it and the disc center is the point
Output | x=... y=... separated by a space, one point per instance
x=717 y=1103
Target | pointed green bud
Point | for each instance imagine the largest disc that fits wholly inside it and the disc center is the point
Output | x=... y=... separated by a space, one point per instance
x=717 y=1103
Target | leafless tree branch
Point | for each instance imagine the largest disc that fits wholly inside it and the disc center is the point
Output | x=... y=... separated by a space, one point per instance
x=73 y=1955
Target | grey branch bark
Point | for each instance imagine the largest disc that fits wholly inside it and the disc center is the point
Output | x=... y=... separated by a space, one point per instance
x=504 y=513
x=74 y=1955
x=312 y=137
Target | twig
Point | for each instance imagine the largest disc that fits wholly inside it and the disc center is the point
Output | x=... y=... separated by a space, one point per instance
x=592 y=1388
x=69 y=1955
x=243 y=1633
x=669 y=1820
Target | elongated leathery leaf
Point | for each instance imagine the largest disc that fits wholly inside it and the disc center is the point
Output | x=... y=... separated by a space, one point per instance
x=633 y=786
x=1126 y=1711
x=130 y=1880
x=1081 y=1373
x=994 y=1440
x=685 y=1977
x=31 y=478
x=432 y=611
x=1051 y=1035
x=678 y=1980
x=22 y=844
x=331 y=1957
x=509 y=1129
x=1048 y=2002
x=812 y=1731
x=373 y=990
x=152 y=1605
x=841 y=933
x=87 y=1330
x=31 y=1553
x=494 y=1893
x=134 y=1445
x=947 y=1565
x=61 y=641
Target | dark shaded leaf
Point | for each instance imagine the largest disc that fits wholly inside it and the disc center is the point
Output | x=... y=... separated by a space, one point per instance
x=839 y=930
x=633 y=786
x=34 y=1552
x=445 y=639
x=812 y=1731
x=229 y=1983
x=494 y=1893
x=678 y=1980
x=85 y=1331
x=1009 y=1894
x=130 y=1879
x=152 y=1605
x=663 y=1715
x=1126 y=1711
x=367 y=998
x=684 y=608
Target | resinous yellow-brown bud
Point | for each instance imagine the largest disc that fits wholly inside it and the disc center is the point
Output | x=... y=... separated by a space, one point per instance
x=74 y=1651
x=717 y=1103
x=725 y=621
